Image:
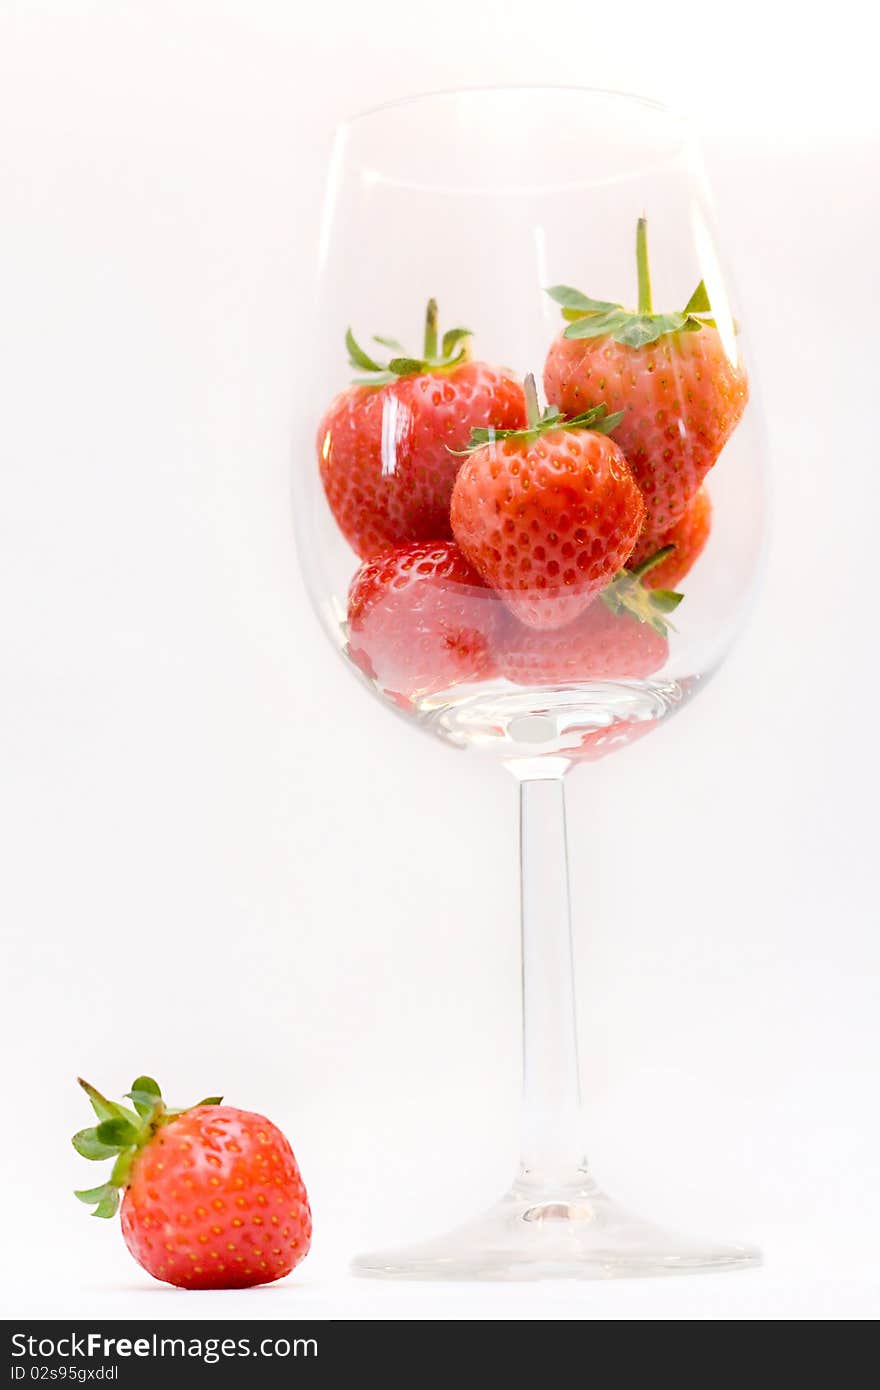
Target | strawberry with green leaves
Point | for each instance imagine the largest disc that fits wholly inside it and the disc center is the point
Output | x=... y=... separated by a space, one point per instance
x=680 y=392
x=548 y=513
x=387 y=446
x=211 y=1196
x=622 y=637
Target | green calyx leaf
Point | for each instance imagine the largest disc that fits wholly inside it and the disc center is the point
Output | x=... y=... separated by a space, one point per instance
x=87 y=1143
x=597 y=318
x=438 y=355
x=699 y=302
x=106 y=1109
x=405 y=366
x=596 y=419
x=356 y=355
x=700 y=306
x=209 y=1100
x=666 y=599
x=631 y=329
x=577 y=303
x=627 y=594
x=451 y=340
x=145 y=1096
x=641 y=329
x=105 y=1199
x=120 y=1134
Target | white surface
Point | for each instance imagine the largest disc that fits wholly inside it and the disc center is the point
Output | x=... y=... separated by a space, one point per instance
x=224 y=865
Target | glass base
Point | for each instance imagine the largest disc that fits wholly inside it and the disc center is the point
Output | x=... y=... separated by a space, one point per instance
x=570 y=1231
x=542 y=721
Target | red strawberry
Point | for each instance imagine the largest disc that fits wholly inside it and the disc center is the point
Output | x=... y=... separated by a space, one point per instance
x=670 y=374
x=386 y=445
x=213 y=1198
x=687 y=538
x=547 y=514
x=420 y=619
x=622 y=637
x=600 y=645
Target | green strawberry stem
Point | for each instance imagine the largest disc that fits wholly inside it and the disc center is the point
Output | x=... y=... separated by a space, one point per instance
x=646 y=305
x=120 y=1134
x=441 y=354
x=533 y=410
x=431 y=331
x=598 y=318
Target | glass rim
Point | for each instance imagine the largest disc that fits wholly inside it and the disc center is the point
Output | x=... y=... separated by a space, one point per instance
x=501 y=88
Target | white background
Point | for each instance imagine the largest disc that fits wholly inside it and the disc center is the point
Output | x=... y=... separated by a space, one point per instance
x=222 y=864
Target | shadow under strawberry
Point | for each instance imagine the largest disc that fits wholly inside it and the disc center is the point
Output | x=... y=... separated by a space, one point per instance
x=679 y=387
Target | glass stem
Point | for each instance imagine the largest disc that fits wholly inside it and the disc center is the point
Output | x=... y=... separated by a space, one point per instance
x=551 y=1115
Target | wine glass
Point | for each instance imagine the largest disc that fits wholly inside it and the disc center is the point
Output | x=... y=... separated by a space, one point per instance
x=530 y=521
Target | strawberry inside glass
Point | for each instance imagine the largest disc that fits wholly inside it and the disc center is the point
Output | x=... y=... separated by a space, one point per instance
x=505 y=546
x=535 y=537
